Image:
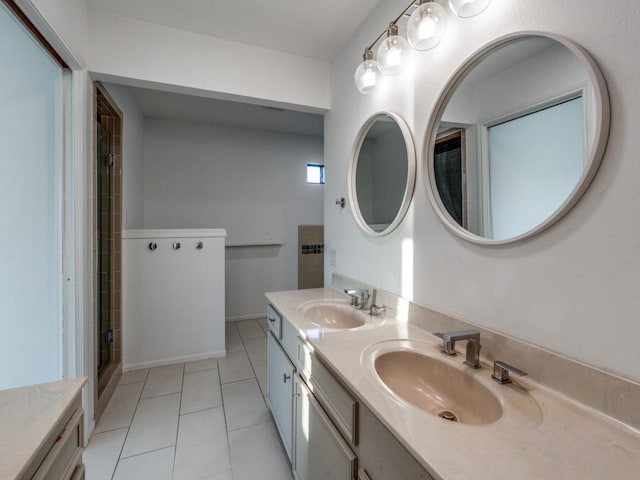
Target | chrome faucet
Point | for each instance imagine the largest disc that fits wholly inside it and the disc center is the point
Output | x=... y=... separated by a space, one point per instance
x=472 y=337
x=359 y=297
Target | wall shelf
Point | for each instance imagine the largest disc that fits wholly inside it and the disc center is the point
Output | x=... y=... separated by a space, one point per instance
x=176 y=233
x=268 y=242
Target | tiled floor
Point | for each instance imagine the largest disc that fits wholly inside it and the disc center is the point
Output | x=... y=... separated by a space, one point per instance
x=204 y=420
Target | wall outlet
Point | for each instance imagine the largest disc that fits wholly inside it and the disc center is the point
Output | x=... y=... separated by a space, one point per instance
x=332 y=257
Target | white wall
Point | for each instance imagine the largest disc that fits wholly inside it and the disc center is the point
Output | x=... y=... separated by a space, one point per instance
x=132 y=156
x=172 y=300
x=31 y=199
x=572 y=288
x=188 y=62
x=250 y=182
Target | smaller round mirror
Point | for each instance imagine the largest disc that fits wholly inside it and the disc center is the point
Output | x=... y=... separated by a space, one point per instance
x=517 y=135
x=382 y=174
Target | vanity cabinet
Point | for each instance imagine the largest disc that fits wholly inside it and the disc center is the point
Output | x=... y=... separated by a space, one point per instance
x=320 y=452
x=63 y=459
x=306 y=423
x=42 y=431
x=280 y=375
x=327 y=432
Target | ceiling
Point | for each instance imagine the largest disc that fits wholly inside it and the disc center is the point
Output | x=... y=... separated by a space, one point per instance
x=175 y=106
x=312 y=28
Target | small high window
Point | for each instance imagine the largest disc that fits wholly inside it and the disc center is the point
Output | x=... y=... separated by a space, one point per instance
x=315 y=173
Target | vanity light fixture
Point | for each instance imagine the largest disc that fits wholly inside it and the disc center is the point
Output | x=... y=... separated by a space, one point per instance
x=424 y=29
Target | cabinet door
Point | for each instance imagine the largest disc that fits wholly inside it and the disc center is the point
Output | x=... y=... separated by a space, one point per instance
x=320 y=452
x=280 y=375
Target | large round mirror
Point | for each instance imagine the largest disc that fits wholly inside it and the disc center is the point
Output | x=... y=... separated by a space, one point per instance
x=516 y=137
x=382 y=173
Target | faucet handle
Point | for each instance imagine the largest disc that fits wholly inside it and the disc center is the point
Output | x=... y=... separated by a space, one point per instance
x=377 y=311
x=448 y=346
x=359 y=297
x=501 y=372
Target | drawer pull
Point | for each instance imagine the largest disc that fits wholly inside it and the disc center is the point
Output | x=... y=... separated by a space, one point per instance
x=286 y=377
x=61 y=436
x=272 y=319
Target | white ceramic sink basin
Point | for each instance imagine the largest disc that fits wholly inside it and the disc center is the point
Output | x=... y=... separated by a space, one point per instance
x=333 y=314
x=437 y=387
x=416 y=373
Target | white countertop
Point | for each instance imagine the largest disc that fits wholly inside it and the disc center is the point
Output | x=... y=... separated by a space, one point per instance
x=28 y=416
x=565 y=441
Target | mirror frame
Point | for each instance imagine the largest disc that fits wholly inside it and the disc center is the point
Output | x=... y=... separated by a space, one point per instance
x=411 y=174
x=593 y=157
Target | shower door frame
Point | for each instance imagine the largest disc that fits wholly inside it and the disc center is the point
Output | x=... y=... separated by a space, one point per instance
x=107 y=377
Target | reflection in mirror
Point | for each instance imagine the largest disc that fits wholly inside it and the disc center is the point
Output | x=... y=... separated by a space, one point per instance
x=518 y=139
x=382 y=174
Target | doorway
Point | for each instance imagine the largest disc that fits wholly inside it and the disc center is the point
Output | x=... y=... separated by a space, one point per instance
x=450 y=168
x=108 y=238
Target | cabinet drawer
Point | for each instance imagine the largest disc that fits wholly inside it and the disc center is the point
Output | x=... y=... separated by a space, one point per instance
x=303 y=358
x=65 y=454
x=275 y=322
x=289 y=339
x=339 y=404
x=320 y=452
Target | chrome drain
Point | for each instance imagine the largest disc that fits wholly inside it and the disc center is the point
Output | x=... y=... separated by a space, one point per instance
x=447 y=415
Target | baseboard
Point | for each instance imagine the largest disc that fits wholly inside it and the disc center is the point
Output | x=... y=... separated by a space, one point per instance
x=170 y=361
x=253 y=316
x=107 y=393
x=88 y=431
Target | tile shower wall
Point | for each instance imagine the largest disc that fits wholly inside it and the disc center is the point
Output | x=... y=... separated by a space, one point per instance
x=133 y=153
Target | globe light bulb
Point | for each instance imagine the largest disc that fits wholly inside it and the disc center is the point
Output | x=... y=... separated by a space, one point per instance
x=393 y=52
x=468 y=8
x=367 y=76
x=426 y=25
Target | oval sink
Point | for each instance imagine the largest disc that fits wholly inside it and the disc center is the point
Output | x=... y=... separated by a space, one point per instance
x=437 y=387
x=338 y=315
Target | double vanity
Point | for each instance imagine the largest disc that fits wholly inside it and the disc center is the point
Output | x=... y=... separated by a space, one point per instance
x=369 y=392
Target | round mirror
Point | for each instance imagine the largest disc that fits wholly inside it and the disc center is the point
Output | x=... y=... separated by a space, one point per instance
x=516 y=137
x=382 y=173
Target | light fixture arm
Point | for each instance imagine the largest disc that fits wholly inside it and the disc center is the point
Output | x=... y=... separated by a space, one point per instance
x=394 y=23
